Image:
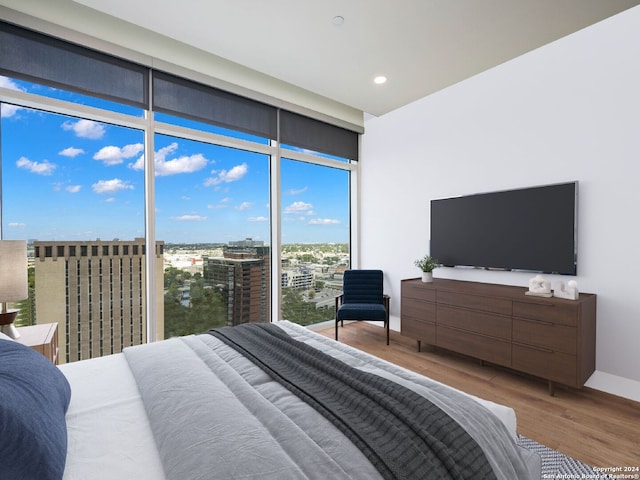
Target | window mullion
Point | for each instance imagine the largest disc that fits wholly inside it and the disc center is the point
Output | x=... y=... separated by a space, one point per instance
x=276 y=233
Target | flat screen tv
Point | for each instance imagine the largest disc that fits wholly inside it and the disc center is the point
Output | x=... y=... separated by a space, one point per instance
x=532 y=229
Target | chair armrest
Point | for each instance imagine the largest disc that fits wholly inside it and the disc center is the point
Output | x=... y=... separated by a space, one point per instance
x=339 y=301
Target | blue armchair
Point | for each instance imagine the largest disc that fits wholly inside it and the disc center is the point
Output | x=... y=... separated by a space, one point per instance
x=362 y=298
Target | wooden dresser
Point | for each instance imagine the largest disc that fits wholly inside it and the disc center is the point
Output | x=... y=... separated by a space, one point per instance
x=551 y=338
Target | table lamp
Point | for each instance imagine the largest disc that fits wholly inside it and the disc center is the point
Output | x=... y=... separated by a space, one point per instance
x=13 y=281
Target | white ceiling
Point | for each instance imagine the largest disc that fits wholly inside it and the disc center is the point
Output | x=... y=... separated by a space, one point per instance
x=422 y=46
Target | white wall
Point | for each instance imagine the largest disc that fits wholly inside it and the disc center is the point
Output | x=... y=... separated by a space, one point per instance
x=567 y=111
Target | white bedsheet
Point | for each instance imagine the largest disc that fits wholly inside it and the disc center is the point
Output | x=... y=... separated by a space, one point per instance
x=109 y=435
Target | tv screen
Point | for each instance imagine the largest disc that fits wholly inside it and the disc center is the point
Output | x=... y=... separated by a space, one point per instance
x=531 y=229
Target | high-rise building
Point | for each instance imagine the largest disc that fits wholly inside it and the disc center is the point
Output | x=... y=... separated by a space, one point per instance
x=243 y=277
x=95 y=291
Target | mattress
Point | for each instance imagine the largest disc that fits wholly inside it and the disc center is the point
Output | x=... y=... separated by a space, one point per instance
x=110 y=434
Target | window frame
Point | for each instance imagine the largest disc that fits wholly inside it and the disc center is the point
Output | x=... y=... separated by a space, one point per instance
x=149 y=127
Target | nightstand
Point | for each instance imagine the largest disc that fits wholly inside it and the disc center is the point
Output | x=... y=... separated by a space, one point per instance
x=42 y=338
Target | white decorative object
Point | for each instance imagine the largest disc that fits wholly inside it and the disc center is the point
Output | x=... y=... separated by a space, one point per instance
x=539 y=286
x=570 y=292
x=427 y=277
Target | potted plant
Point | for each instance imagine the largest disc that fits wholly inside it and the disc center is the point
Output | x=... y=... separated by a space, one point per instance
x=427 y=264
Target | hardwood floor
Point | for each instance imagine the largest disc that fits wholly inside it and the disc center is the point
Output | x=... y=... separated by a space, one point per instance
x=599 y=429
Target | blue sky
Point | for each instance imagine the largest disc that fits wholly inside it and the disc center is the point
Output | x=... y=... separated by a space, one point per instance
x=66 y=178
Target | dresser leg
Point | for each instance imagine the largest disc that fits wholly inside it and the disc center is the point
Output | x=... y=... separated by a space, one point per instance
x=419 y=346
x=552 y=388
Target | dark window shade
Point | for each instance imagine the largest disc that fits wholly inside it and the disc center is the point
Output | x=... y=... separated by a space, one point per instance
x=300 y=131
x=184 y=98
x=43 y=59
x=40 y=58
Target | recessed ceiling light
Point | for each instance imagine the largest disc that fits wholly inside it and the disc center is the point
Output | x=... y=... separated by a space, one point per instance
x=380 y=79
x=338 y=20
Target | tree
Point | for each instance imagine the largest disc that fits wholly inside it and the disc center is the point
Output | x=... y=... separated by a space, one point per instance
x=296 y=310
x=206 y=308
x=175 y=317
x=27 y=307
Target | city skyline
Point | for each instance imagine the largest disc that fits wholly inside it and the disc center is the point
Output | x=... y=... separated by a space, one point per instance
x=77 y=179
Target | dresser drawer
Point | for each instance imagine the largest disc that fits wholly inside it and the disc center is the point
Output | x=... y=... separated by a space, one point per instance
x=418 y=308
x=555 y=366
x=474 y=321
x=475 y=302
x=551 y=336
x=485 y=348
x=564 y=313
x=418 y=291
x=418 y=329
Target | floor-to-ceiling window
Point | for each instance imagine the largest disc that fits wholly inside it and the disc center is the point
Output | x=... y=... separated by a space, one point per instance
x=69 y=190
x=212 y=210
x=230 y=231
x=315 y=239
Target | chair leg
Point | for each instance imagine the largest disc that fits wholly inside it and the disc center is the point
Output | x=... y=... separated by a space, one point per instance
x=337 y=329
x=387 y=299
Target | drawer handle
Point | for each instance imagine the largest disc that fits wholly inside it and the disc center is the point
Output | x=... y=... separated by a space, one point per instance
x=531 y=320
x=543 y=305
x=534 y=347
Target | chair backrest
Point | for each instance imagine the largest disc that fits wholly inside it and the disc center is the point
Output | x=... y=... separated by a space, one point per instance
x=362 y=286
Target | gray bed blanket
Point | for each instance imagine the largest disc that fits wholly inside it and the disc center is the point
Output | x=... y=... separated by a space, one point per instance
x=402 y=433
x=215 y=414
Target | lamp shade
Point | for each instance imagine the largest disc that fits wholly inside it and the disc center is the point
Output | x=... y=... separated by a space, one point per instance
x=13 y=270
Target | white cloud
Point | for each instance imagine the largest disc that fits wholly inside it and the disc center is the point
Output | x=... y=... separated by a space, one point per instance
x=16 y=224
x=174 y=166
x=296 y=208
x=40 y=168
x=224 y=176
x=258 y=219
x=85 y=129
x=224 y=203
x=189 y=218
x=138 y=164
x=73 y=188
x=7 y=110
x=184 y=164
x=111 y=186
x=293 y=191
x=324 y=221
x=71 y=152
x=112 y=155
x=9 y=84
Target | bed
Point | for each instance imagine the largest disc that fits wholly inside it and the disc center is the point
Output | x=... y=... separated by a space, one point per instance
x=204 y=407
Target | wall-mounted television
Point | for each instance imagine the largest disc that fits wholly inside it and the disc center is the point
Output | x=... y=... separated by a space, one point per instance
x=532 y=229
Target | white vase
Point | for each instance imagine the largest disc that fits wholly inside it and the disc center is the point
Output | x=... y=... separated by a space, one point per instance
x=427 y=277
